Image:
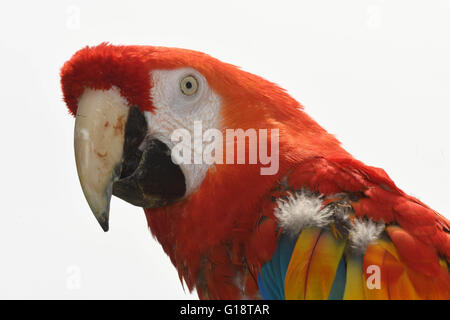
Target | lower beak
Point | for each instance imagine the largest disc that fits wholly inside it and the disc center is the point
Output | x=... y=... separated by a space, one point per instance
x=99 y=139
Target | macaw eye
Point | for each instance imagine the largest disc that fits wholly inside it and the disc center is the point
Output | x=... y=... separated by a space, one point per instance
x=189 y=85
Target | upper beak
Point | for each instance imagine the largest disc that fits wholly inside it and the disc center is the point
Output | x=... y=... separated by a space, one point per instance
x=99 y=140
x=114 y=157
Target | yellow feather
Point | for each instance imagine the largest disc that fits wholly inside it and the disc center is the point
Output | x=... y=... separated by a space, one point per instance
x=313 y=264
x=299 y=263
x=373 y=257
x=354 y=284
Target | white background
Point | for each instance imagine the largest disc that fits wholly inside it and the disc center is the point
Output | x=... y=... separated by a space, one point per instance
x=375 y=73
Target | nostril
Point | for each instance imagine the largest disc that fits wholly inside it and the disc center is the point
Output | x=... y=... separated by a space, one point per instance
x=135 y=132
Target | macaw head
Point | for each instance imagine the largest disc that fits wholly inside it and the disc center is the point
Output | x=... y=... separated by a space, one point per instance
x=134 y=103
x=152 y=128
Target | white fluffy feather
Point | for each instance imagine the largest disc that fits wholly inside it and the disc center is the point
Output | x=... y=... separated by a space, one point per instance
x=301 y=210
x=363 y=233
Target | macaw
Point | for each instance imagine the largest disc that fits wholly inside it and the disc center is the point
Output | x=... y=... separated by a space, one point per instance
x=323 y=225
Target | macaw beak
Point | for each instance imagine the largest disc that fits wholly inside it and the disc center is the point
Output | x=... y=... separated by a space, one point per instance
x=114 y=156
x=99 y=140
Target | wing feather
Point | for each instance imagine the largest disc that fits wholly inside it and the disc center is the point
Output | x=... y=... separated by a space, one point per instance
x=313 y=264
x=405 y=241
x=355 y=282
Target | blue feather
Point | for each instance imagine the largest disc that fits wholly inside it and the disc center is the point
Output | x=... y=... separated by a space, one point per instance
x=338 y=287
x=273 y=273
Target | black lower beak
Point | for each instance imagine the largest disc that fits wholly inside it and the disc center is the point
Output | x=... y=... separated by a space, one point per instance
x=148 y=177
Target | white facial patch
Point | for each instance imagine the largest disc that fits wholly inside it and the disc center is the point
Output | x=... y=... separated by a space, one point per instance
x=175 y=110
